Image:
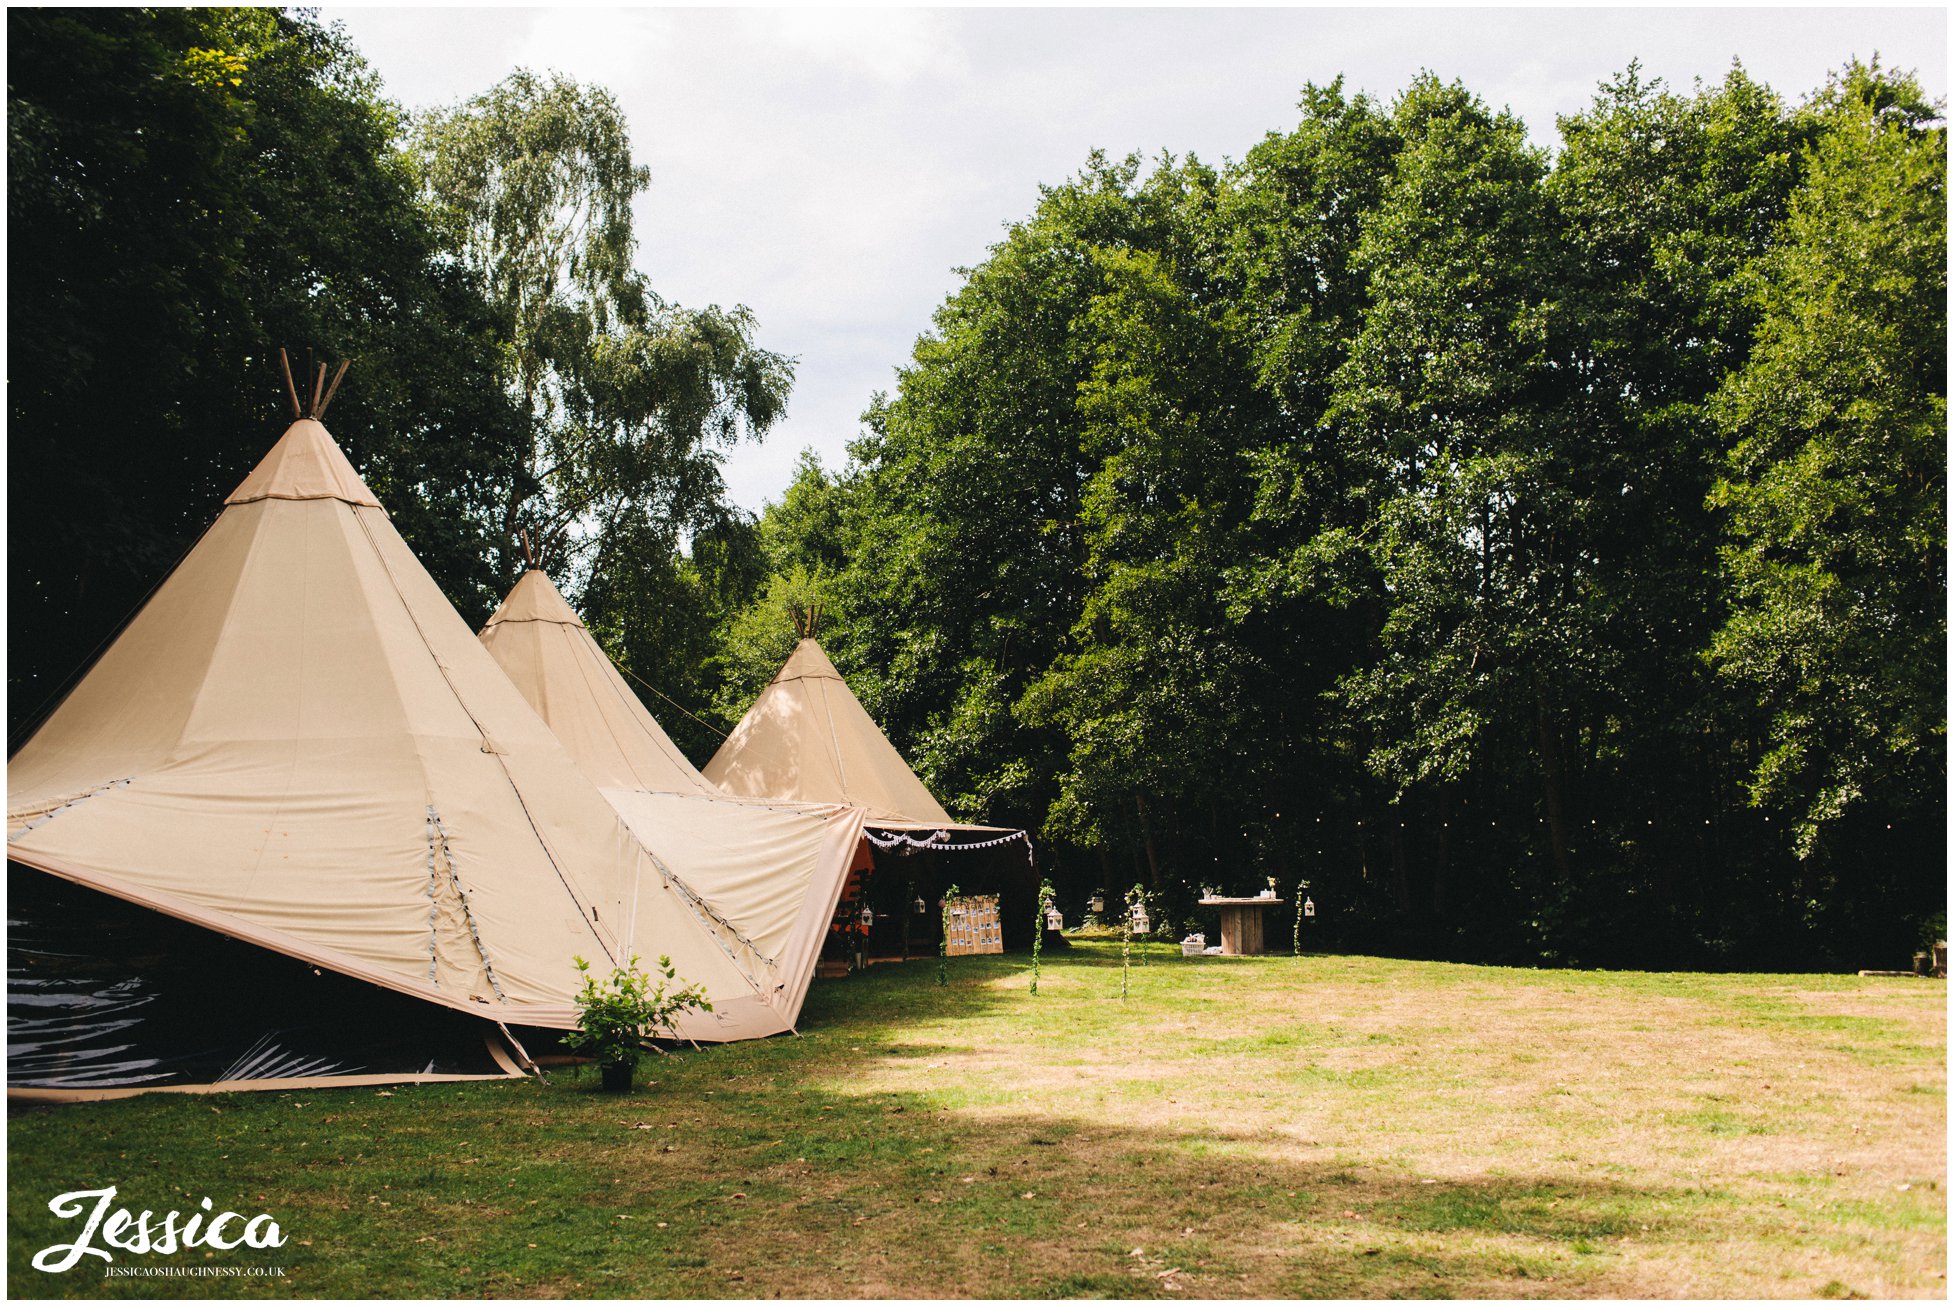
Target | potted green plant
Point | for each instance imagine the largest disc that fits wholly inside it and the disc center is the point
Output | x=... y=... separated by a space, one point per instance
x=616 y=1017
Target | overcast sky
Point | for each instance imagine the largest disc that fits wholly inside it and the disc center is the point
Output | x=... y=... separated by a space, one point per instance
x=830 y=169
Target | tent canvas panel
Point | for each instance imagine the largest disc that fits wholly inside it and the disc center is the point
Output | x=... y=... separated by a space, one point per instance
x=774 y=873
x=771 y=872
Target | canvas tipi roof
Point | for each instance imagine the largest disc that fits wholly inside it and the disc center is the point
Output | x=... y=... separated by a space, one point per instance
x=542 y=644
x=807 y=737
x=771 y=870
x=299 y=743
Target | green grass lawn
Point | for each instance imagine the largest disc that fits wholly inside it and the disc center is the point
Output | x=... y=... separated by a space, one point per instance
x=1272 y=1127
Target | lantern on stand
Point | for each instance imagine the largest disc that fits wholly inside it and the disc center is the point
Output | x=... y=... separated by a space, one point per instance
x=1054 y=919
x=1094 y=906
x=921 y=907
x=1309 y=907
x=863 y=920
x=1141 y=925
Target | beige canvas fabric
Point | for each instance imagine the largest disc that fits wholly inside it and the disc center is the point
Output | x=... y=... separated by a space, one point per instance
x=543 y=646
x=771 y=872
x=808 y=738
x=299 y=742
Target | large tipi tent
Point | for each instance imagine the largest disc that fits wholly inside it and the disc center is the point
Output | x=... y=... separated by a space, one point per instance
x=298 y=743
x=771 y=870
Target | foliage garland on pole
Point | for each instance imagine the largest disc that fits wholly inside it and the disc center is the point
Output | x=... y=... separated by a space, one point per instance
x=943 y=944
x=1134 y=898
x=1046 y=898
x=1296 y=947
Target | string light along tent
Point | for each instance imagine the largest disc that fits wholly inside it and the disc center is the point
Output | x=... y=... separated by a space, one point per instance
x=808 y=738
x=298 y=743
x=770 y=871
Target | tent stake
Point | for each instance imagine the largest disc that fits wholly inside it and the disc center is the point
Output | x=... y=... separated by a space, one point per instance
x=516 y=1044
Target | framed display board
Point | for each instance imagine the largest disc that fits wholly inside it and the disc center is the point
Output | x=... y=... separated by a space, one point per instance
x=974 y=926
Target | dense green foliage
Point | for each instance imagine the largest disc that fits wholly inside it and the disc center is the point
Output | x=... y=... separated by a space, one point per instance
x=1544 y=556
x=189 y=190
x=618 y=1017
x=626 y=394
x=1541 y=555
x=1835 y=486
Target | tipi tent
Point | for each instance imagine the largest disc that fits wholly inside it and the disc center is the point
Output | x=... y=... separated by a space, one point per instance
x=807 y=737
x=298 y=743
x=772 y=870
x=542 y=644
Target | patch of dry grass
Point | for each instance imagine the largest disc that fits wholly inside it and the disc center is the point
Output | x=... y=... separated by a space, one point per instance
x=1270 y=1127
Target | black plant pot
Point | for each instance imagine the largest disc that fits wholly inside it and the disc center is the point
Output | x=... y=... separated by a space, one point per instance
x=617 y=1076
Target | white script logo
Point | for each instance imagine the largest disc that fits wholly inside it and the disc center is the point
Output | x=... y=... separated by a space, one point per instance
x=143 y=1234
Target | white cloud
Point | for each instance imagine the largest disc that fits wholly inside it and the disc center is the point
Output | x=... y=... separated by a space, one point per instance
x=829 y=168
x=613 y=47
x=890 y=45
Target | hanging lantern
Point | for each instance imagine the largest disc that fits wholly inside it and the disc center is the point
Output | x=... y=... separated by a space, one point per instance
x=921 y=907
x=1309 y=907
x=1140 y=923
x=1054 y=919
x=866 y=916
x=1097 y=903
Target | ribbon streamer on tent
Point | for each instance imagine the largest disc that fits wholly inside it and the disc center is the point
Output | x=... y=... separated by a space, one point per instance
x=49 y=814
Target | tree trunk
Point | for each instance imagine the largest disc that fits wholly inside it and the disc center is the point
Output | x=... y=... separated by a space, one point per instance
x=1146 y=834
x=1400 y=871
x=1442 y=864
x=1553 y=775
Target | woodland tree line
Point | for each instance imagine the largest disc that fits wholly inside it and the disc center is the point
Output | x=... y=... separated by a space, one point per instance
x=1540 y=554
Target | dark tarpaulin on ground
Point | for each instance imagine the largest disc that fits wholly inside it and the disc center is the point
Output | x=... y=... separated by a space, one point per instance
x=103 y=994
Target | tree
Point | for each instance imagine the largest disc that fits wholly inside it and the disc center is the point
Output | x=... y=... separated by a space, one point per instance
x=965 y=525
x=1835 y=487
x=629 y=399
x=1303 y=591
x=803 y=546
x=1662 y=202
x=167 y=174
x=1349 y=510
x=1154 y=691
x=1451 y=390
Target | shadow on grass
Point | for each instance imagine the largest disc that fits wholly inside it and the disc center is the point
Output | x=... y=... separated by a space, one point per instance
x=727 y=1175
x=902 y=1148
